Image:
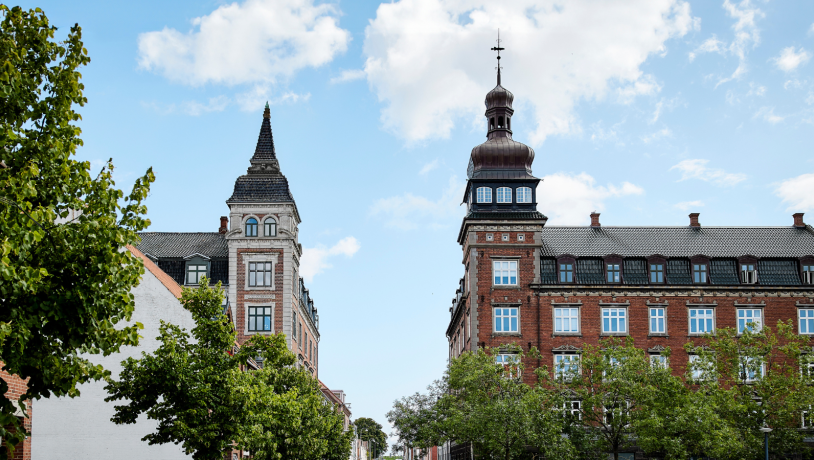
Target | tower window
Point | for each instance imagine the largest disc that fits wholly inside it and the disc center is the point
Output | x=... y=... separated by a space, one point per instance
x=491 y=123
x=499 y=122
x=271 y=227
x=259 y=319
x=251 y=227
x=524 y=194
x=260 y=274
x=504 y=195
x=484 y=195
x=508 y=122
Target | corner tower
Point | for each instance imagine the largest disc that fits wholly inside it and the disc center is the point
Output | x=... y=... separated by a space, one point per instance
x=266 y=292
x=500 y=237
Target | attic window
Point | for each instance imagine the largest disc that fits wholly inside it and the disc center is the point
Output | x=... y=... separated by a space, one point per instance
x=808 y=274
x=748 y=274
x=194 y=273
x=251 y=227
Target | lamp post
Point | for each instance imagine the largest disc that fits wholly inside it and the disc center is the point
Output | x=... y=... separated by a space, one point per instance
x=766 y=430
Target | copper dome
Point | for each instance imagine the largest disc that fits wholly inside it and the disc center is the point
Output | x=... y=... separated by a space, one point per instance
x=499 y=97
x=501 y=157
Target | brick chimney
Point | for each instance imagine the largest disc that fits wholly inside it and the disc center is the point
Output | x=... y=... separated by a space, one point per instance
x=595 y=219
x=694 y=219
x=798 y=220
x=224 y=225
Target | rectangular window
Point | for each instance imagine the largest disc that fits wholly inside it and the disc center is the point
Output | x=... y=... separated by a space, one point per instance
x=571 y=409
x=749 y=318
x=259 y=319
x=566 y=366
x=566 y=273
x=260 y=274
x=699 y=273
x=484 y=195
x=658 y=361
x=656 y=273
x=748 y=274
x=566 y=320
x=807 y=366
x=509 y=362
x=699 y=370
x=505 y=272
x=294 y=322
x=808 y=418
x=702 y=320
x=614 y=320
x=524 y=195
x=194 y=273
x=506 y=320
x=614 y=273
x=504 y=195
x=806 y=320
x=657 y=324
x=808 y=274
x=751 y=369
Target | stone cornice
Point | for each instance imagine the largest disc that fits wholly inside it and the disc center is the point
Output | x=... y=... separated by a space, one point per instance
x=672 y=291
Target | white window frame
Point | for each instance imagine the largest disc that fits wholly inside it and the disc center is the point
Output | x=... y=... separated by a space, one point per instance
x=745 y=320
x=570 y=314
x=524 y=194
x=698 y=373
x=507 y=268
x=748 y=272
x=499 y=314
x=659 y=360
x=484 y=194
x=656 y=313
x=809 y=318
x=608 y=410
x=807 y=415
x=621 y=320
x=690 y=319
x=573 y=408
x=507 y=360
x=504 y=194
x=269 y=221
x=745 y=373
x=294 y=324
x=807 y=366
x=567 y=365
x=808 y=274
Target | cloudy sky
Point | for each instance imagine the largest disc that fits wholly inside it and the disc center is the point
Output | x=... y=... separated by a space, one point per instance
x=643 y=110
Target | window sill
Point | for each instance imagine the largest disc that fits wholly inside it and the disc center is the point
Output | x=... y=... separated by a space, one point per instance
x=614 y=334
x=506 y=334
x=658 y=334
x=567 y=334
x=506 y=286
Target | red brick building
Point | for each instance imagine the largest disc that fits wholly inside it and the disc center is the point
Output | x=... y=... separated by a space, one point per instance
x=557 y=288
x=16 y=388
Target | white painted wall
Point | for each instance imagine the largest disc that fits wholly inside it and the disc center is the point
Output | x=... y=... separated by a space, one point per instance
x=80 y=428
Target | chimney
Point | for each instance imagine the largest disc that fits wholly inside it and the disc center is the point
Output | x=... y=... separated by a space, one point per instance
x=595 y=219
x=694 y=220
x=224 y=223
x=798 y=220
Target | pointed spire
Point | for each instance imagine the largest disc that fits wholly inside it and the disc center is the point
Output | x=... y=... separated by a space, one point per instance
x=264 y=160
x=498 y=49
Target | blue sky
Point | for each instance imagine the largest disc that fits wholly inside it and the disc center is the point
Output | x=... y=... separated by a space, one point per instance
x=642 y=110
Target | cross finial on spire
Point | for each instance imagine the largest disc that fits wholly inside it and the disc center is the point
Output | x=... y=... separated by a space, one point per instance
x=266 y=111
x=498 y=49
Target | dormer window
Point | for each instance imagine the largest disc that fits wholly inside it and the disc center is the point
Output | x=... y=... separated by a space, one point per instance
x=748 y=274
x=808 y=274
x=194 y=273
x=271 y=227
x=657 y=273
x=524 y=194
x=699 y=273
x=567 y=273
x=504 y=195
x=484 y=195
x=251 y=227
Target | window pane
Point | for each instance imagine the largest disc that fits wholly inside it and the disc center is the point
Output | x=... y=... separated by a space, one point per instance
x=268 y=279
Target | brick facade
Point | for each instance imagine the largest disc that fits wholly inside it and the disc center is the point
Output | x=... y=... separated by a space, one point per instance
x=16 y=388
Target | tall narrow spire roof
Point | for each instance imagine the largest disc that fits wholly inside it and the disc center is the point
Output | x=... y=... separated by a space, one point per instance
x=263 y=181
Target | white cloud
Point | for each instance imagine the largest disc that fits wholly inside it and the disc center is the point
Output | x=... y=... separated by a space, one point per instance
x=662 y=105
x=428 y=60
x=660 y=134
x=254 y=42
x=193 y=108
x=408 y=211
x=797 y=193
x=756 y=90
x=687 y=205
x=349 y=75
x=697 y=169
x=790 y=59
x=746 y=36
x=429 y=167
x=569 y=199
x=767 y=114
x=315 y=260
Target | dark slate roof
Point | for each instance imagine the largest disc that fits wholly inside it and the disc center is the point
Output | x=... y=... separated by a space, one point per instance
x=506 y=215
x=174 y=244
x=678 y=241
x=263 y=181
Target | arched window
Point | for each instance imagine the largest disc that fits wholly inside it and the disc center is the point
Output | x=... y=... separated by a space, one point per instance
x=523 y=194
x=251 y=227
x=504 y=195
x=271 y=227
x=500 y=122
x=491 y=123
x=484 y=195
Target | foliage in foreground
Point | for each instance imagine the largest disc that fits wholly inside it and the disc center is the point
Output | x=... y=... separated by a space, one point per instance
x=196 y=386
x=63 y=287
x=369 y=430
x=619 y=399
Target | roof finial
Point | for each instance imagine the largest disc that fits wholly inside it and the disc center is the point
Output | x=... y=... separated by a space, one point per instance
x=267 y=112
x=498 y=49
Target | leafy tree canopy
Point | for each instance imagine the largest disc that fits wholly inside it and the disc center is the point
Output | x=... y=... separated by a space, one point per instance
x=368 y=429
x=64 y=279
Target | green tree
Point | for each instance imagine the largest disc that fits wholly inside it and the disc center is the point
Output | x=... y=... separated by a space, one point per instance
x=369 y=430
x=417 y=421
x=758 y=378
x=191 y=385
x=63 y=288
x=288 y=416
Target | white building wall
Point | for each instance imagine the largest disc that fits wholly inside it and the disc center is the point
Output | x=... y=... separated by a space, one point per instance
x=80 y=428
